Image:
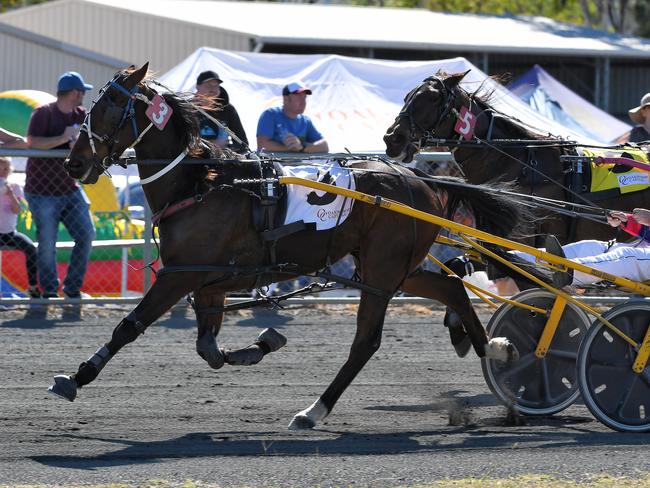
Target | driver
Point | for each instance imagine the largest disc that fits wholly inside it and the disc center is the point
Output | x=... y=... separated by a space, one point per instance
x=629 y=260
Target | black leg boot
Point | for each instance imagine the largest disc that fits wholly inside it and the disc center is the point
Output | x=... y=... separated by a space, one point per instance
x=459 y=339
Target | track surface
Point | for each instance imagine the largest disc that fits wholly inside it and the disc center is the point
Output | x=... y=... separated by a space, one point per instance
x=416 y=413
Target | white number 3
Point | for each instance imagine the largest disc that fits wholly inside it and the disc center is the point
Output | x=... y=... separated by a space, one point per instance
x=159 y=117
x=159 y=112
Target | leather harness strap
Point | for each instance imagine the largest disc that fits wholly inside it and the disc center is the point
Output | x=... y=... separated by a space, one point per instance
x=178 y=206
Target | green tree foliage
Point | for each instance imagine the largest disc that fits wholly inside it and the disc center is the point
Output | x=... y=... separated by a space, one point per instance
x=621 y=16
x=6 y=5
x=642 y=16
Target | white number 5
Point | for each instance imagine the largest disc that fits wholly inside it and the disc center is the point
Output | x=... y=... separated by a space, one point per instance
x=466 y=119
x=465 y=124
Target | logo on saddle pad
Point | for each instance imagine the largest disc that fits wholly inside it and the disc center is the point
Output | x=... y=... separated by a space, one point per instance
x=326 y=198
x=633 y=179
x=626 y=170
x=322 y=208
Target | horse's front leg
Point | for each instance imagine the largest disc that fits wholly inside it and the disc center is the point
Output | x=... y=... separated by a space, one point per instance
x=165 y=292
x=370 y=321
x=209 y=317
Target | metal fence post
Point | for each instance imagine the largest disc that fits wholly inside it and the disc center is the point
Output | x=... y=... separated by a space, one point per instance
x=146 y=251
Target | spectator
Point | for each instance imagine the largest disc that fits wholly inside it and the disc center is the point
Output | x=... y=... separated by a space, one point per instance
x=9 y=140
x=286 y=129
x=641 y=116
x=55 y=197
x=214 y=100
x=11 y=198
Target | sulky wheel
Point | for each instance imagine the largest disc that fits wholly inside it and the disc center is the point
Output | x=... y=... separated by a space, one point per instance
x=615 y=394
x=532 y=385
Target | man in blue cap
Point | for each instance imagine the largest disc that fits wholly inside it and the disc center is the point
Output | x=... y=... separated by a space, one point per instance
x=52 y=195
x=286 y=128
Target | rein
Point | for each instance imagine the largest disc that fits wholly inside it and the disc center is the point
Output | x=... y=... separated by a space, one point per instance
x=165 y=170
x=173 y=208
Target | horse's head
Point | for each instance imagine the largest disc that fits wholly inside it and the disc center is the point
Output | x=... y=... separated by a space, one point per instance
x=112 y=125
x=427 y=113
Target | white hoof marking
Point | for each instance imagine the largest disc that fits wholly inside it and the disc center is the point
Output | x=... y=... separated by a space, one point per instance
x=307 y=418
x=501 y=349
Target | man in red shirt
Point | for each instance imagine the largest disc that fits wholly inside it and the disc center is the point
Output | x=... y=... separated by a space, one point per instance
x=53 y=196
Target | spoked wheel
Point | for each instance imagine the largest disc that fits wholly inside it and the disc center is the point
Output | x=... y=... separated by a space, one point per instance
x=614 y=393
x=532 y=385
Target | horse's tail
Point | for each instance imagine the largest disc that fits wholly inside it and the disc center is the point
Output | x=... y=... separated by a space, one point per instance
x=495 y=212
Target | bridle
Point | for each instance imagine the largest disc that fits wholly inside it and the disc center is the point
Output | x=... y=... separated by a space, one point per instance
x=119 y=116
x=426 y=134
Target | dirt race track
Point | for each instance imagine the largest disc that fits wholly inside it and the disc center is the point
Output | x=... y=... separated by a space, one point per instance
x=416 y=413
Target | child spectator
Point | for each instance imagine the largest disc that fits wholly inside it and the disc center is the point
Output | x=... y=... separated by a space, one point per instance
x=11 y=201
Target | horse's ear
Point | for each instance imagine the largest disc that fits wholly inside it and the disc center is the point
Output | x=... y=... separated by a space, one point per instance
x=137 y=76
x=453 y=80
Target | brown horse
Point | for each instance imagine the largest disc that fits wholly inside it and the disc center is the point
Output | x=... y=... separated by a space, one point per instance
x=429 y=116
x=211 y=246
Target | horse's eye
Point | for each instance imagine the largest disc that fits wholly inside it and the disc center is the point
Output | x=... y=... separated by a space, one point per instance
x=113 y=115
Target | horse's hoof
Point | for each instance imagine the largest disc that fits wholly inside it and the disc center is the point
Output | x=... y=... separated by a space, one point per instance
x=463 y=347
x=301 y=422
x=513 y=353
x=459 y=338
x=272 y=338
x=501 y=349
x=207 y=348
x=244 y=357
x=64 y=387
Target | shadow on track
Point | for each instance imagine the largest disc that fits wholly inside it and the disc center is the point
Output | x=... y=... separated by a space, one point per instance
x=213 y=444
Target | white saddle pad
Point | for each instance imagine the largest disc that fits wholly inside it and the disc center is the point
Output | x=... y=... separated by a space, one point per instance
x=324 y=209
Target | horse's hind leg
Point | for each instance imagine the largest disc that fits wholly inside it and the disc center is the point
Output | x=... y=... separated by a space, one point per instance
x=450 y=291
x=165 y=292
x=370 y=321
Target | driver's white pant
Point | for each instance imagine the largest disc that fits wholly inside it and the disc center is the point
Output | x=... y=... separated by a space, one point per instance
x=625 y=260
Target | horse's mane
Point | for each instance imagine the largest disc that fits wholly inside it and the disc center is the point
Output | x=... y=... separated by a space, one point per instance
x=186 y=120
x=184 y=116
x=484 y=97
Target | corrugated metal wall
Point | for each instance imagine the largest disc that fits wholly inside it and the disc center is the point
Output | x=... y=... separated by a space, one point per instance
x=629 y=81
x=123 y=34
x=44 y=66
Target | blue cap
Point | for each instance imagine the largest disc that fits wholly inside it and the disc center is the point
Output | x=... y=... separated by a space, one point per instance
x=71 y=80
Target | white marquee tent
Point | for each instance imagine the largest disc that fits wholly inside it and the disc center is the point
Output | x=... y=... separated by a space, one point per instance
x=550 y=97
x=355 y=99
